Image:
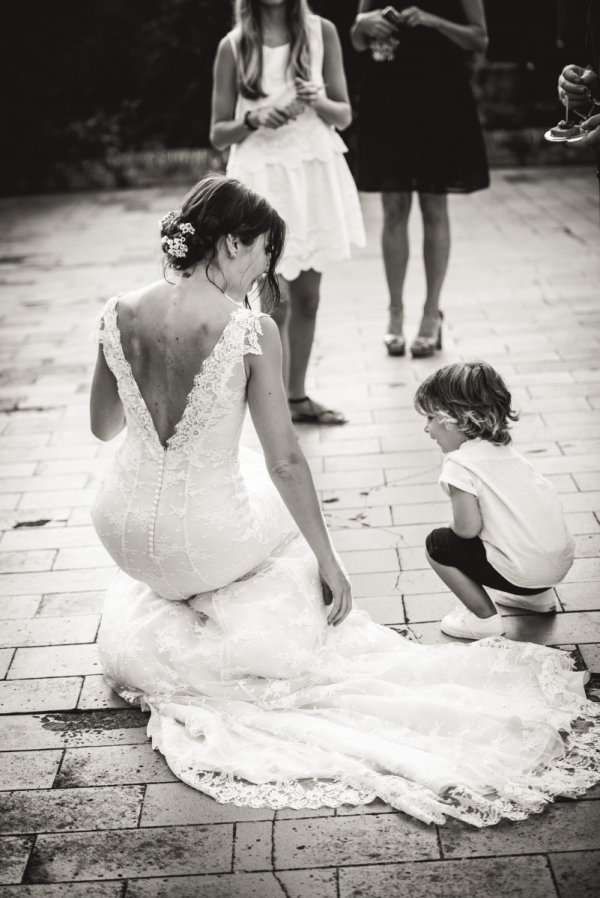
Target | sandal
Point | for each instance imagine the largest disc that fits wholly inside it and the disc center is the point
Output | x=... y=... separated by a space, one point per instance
x=393 y=341
x=424 y=347
x=315 y=416
x=395 y=344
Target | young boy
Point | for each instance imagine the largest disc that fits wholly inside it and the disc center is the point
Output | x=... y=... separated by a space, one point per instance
x=508 y=530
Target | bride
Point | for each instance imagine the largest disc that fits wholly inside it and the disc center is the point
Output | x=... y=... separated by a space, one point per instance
x=230 y=618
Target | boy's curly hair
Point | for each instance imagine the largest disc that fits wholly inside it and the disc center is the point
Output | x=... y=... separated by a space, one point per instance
x=471 y=395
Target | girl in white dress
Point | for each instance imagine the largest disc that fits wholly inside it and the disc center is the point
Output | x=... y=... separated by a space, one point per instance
x=279 y=94
x=260 y=693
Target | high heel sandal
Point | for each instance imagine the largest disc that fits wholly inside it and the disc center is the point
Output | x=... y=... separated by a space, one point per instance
x=395 y=344
x=424 y=347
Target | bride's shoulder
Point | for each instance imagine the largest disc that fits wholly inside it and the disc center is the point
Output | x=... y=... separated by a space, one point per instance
x=144 y=303
x=261 y=334
x=133 y=299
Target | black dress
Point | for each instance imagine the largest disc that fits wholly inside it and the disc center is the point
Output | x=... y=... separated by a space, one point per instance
x=417 y=125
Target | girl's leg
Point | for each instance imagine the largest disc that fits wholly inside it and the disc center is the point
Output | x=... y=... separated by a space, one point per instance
x=304 y=294
x=281 y=317
x=471 y=594
x=395 y=249
x=436 y=252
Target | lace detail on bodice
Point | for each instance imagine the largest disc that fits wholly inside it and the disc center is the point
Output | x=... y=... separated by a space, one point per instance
x=212 y=396
x=139 y=422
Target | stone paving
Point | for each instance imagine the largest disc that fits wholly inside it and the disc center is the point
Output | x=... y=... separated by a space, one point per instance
x=87 y=808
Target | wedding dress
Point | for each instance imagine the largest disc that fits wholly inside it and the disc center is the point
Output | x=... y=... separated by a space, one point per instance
x=216 y=624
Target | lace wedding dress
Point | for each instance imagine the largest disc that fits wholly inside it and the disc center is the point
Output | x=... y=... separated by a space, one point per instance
x=216 y=624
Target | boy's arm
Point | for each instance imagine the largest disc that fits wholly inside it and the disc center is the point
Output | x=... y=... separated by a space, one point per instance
x=466 y=516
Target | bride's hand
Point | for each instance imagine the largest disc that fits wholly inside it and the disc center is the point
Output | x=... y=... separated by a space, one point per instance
x=337 y=592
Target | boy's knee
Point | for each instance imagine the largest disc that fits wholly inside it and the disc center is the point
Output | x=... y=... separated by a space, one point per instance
x=432 y=539
x=435 y=543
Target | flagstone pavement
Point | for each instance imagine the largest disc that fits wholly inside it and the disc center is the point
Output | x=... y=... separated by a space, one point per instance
x=86 y=807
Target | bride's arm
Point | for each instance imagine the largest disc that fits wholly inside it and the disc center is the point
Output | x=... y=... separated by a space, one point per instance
x=287 y=465
x=107 y=417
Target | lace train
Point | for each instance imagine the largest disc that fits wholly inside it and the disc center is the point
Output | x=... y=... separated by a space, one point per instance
x=343 y=725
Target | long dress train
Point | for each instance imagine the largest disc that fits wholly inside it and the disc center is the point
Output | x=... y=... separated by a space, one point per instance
x=216 y=624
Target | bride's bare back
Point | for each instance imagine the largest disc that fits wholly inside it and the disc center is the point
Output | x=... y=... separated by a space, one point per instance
x=166 y=339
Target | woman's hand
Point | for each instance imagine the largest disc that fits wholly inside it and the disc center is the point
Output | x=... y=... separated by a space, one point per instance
x=575 y=85
x=374 y=25
x=272 y=117
x=337 y=591
x=413 y=16
x=592 y=126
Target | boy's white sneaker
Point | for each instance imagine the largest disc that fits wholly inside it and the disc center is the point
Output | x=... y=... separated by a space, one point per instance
x=463 y=623
x=542 y=602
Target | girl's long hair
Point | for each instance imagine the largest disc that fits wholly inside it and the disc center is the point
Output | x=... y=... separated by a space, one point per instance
x=247 y=19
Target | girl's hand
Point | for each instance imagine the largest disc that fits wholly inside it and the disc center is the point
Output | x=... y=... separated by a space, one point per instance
x=413 y=16
x=575 y=84
x=337 y=592
x=271 y=117
x=307 y=91
x=374 y=24
x=294 y=109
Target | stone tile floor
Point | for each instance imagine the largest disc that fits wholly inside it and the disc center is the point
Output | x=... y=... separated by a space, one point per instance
x=87 y=808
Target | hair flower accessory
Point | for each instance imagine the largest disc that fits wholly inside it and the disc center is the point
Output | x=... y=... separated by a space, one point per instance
x=176 y=246
x=168 y=219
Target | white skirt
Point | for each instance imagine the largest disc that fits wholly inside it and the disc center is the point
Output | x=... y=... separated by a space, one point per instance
x=319 y=203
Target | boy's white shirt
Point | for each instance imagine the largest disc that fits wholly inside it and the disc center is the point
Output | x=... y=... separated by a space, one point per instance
x=524 y=531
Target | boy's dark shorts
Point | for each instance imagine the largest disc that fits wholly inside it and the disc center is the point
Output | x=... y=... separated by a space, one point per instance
x=468 y=555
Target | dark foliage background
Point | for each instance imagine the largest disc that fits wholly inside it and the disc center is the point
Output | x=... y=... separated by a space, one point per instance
x=89 y=78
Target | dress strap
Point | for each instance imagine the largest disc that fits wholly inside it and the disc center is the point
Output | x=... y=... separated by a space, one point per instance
x=234 y=38
x=102 y=329
x=252 y=331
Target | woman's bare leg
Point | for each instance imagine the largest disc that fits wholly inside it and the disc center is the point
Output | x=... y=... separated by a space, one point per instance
x=395 y=249
x=436 y=252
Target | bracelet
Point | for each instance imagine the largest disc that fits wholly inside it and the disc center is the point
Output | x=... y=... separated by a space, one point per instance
x=248 y=123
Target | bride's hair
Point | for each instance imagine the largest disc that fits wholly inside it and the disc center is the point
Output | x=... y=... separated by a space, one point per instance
x=247 y=20
x=215 y=207
x=471 y=395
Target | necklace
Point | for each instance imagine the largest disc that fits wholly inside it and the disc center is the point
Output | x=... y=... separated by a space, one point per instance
x=234 y=301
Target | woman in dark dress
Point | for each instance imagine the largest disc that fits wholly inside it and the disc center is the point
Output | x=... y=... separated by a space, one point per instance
x=418 y=130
